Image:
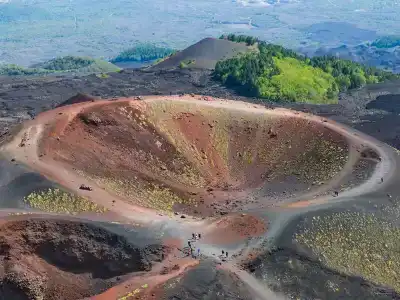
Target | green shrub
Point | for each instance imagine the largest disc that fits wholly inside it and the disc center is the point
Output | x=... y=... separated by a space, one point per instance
x=58 y=201
x=186 y=63
x=103 y=75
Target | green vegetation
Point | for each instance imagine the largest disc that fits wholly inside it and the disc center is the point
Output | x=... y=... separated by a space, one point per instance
x=249 y=40
x=356 y=244
x=280 y=74
x=298 y=82
x=387 y=42
x=14 y=70
x=186 y=63
x=103 y=75
x=57 y=201
x=142 y=53
x=66 y=64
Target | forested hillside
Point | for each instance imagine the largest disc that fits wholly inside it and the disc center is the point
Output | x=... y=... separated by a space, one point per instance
x=279 y=74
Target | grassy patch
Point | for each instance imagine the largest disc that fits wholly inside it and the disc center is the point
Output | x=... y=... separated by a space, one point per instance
x=148 y=195
x=320 y=160
x=57 y=201
x=356 y=244
x=298 y=82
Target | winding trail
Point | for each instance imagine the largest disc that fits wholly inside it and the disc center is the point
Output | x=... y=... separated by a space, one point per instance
x=288 y=209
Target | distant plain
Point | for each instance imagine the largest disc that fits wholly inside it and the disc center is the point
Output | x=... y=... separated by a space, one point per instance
x=32 y=31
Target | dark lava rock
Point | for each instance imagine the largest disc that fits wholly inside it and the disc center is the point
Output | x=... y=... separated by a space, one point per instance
x=206 y=281
x=85 y=187
x=301 y=276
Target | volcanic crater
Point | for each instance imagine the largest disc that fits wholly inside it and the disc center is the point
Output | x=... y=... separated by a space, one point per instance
x=58 y=259
x=189 y=155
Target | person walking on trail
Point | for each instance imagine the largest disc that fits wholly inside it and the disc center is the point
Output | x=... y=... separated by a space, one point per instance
x=198 y=252
x=190 y=248
x=226 y=253
x=193 y=236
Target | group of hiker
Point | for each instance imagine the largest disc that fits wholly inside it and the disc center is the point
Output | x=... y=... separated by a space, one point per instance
x=196 y=253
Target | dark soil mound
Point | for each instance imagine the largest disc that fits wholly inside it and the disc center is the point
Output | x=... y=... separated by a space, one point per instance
x=389 y=103
x=44 y=259
x=202 y=55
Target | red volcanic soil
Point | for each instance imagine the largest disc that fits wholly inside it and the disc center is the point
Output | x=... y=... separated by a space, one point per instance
x=234 y=228
x=49 y=259
x=149 y=285
x=188 y=155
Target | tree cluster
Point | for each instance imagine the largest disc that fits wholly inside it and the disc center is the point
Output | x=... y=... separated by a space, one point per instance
x=143 y=53
x=387 y=42
x=67 y=63
x=280 y=74
x=15 y=70
x=249 y=40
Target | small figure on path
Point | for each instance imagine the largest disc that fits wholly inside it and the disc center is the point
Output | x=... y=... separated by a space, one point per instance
x=336 y=193
x=190 y=248
x=199 y=235
x=381 y=179
x=223 y=252
x=193 y=236
x=226 y=253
